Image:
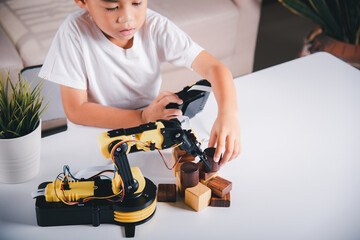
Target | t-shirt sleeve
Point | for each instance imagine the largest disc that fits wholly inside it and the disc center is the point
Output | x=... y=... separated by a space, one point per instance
x=174 y=45
x=64 y=62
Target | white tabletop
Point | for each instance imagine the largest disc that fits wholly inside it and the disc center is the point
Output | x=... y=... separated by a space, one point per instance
x=298 y=176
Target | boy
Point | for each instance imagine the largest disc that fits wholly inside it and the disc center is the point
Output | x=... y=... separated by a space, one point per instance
x=107 y=60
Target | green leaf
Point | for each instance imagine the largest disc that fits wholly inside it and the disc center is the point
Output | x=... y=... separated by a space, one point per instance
x=339 y=19
x=332 y=28
x=301 y=8
x=21 y=106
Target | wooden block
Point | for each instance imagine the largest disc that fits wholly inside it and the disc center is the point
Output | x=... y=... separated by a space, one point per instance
x=178 y=152
x=209 y=155
x=198 y=197
x=166 y=193
x=189 y=174
x=173 y=156
x=177 y=168
x=220 y=202
x=220 y=186
x=178 y=183
x=185 y=157
x=205 y=177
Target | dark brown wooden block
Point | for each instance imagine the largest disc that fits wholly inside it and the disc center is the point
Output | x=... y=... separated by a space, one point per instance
x=189 y=174
x=216 y=201
x=185 y=157
x=204 y=177
x=209 y=155
x=166 y=193
x=220 y=186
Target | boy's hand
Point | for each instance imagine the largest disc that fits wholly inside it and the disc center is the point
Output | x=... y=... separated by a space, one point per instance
x=225 y=135
x=156 y=110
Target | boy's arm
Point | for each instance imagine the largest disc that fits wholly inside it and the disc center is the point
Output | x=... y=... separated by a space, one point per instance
x=80 y=111
x=225 y=133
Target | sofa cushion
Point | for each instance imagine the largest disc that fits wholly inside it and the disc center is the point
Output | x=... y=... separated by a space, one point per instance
x=31 y=25
x=215 y=19
x=10 y=60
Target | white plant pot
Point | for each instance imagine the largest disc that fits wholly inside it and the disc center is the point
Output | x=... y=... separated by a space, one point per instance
x=20 y=157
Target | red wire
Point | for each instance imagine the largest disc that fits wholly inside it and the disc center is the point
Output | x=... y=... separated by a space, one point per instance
x=63 y=191
x=171 y=168
x=123 y=194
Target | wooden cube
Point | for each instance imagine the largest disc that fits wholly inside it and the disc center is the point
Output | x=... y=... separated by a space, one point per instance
x=177 y=152
x=185 y=157
x=166 y=193
x=220 y=202
x=205 y=177
x=220 y=186
x=198 y=197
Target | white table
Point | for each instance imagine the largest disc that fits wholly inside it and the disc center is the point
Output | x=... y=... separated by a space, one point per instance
x=298 y=176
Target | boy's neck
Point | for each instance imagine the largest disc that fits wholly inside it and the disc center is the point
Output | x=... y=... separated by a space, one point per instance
x=123 y=44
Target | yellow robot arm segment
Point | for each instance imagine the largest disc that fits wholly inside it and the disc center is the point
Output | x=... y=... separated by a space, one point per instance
x=104 y=141
x=142 y=139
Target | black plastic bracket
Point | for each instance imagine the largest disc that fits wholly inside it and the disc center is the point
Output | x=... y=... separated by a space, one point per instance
x=123 y=167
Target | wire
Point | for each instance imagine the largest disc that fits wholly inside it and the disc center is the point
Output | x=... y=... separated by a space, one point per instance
x=55 y=190
x=100 y=174
x=166 y=162
x=65 y=178
x=66 y=168
x=146 y=145
x=66 y=173
x=122 y=197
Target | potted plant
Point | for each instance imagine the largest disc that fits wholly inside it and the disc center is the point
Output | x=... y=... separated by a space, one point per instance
x=21 y=108
x=339 y=27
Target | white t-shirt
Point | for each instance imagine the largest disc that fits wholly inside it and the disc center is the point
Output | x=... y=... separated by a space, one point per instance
x=82 y=57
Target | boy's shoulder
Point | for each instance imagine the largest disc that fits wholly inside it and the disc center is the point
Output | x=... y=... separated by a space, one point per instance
x=76 y=20
x=155 y=20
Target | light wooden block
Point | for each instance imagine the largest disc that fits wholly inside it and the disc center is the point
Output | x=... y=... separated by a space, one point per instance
x=185 y=157
x=177 y=168
x=198 y=197
x=178 y=184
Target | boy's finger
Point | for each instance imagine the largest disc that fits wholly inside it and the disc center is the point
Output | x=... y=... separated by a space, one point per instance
x=229 y=149
x=212 y=139
x=165 y=93
x=220 y=146
x=170 y=99
x=237 y=150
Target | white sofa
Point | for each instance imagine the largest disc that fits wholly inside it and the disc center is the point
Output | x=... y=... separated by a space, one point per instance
x=226 y=28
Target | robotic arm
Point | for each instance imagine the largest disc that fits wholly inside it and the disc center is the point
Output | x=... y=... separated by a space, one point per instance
x=159 y=135
x=129 y=198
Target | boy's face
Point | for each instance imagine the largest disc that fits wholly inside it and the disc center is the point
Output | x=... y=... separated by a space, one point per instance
x=118 y=19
